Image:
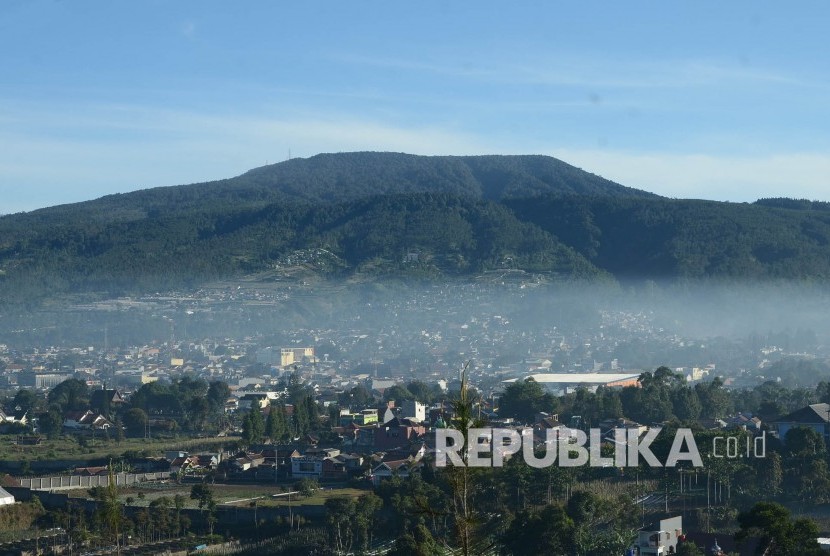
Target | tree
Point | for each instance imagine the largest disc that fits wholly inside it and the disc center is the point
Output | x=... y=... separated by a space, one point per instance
x=136 y=422
x=804 y=441
x=339 y=513
x=275 y=425
x=549 y=531
x=462 y=479
x=307 y=486
x=423 y=392
x=26 y=400
x=253 y=427
x=313 y=413
x=70 y=395
x=203 y=494
x=419 y=542
x=689 y=549
x=714 y=399
x=217 y=394
x=119 y=430
x=286 y=424
x=111 y=511
x=178 y=503
x=398 y=393
x=686 y=404
x=51 y=422
x=160 y=515
x=356 y=398
x=770 y=474
x=523 y=399
x=364 y=518
x=780 y=534
x=300 y=416
x=199 y=410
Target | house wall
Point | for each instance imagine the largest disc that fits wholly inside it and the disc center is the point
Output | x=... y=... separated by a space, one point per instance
x=306 y=467
x=67 y=482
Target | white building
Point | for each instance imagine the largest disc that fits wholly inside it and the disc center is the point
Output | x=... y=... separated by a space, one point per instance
x=660 y=537
x=414 y=410
x=306 y=466
x=5 y=497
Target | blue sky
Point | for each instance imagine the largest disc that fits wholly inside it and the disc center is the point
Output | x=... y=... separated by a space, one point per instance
x=714 y=100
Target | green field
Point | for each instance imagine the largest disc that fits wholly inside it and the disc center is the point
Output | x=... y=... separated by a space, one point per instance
x=67 y=447
x=232 y=495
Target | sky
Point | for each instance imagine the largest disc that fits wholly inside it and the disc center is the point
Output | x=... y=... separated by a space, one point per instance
x=703 y=99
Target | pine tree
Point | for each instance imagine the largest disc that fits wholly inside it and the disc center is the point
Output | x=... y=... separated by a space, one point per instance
x=257 y=424
x=272 y=425
x=112 y=511
x=284 y=423
x=313 y=413
x=301 y=416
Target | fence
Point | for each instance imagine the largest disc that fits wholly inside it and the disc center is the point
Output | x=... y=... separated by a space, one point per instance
x=68 y=482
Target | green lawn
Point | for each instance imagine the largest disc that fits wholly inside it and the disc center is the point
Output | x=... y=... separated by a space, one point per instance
x=317 y=499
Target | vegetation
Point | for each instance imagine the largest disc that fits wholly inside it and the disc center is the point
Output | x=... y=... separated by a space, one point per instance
x=517 y=509
x=389 y=214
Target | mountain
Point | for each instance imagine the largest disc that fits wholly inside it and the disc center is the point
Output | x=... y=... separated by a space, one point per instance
x=344 y=177
x=380 y=214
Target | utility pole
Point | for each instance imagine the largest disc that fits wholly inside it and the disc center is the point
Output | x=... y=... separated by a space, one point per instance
x=708 y=510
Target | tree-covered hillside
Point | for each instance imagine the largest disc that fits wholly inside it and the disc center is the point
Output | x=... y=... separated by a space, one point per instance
x=665 y=238
x=416 y=234
x=385 y=213
x=343 y=177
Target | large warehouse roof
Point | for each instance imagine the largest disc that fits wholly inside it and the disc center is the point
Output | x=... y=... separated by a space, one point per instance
x=579 y=378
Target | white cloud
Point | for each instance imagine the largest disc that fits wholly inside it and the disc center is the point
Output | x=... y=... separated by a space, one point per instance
x=82 y=152
x=589 y=71
x=72 y=157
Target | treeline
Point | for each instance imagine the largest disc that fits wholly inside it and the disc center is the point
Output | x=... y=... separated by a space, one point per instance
x=663 y=396
x=187 y=404
x=278 y=425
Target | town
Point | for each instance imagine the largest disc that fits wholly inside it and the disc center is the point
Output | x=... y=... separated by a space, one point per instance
x=217 y=437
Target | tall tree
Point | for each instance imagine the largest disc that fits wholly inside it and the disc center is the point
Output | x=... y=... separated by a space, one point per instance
x=217 y=394
x=26 y=400
x=462 y=479
x=523 y=399
x=253 y=425
x=70 y=395
x=203 y=494
x=780 y=534
x=549 y=531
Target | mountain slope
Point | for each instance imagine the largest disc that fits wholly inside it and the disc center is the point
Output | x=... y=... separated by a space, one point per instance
x=384 y=213
x=344 y=177
x=667 y=238
x=447 y=234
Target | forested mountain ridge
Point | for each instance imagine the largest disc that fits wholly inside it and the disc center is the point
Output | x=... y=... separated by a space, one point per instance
x=667 y=238
x=404 y=215
x=345 y=177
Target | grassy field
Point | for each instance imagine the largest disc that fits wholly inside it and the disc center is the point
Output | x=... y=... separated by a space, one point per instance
x=233 y=495
x=67 y=447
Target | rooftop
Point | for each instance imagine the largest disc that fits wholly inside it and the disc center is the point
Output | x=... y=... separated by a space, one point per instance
x=579 y=378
